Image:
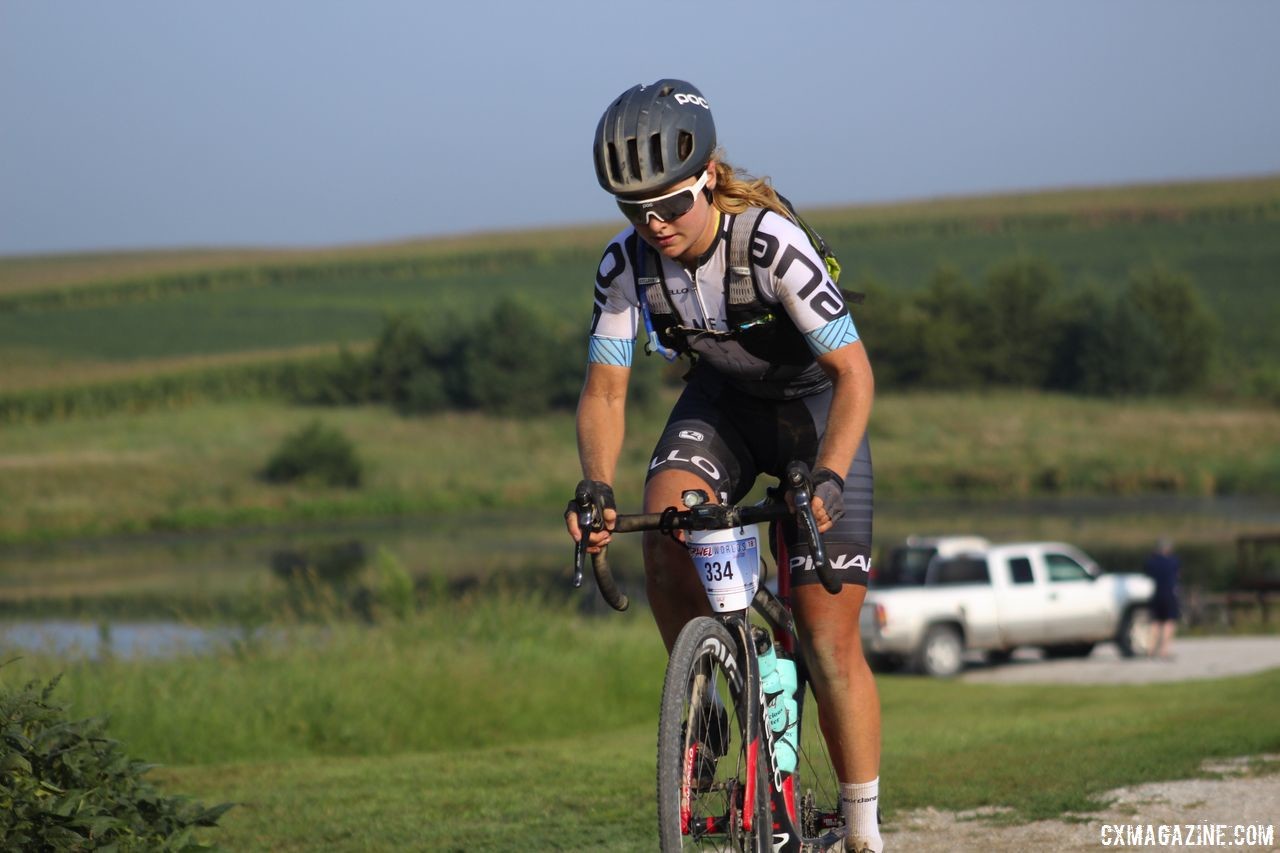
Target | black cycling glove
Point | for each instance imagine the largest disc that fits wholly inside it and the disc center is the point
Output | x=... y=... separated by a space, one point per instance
x=829 y=486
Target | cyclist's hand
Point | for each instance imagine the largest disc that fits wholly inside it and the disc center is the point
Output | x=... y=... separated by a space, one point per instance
x=597 y=538
x=601 y=496
x=828 y=498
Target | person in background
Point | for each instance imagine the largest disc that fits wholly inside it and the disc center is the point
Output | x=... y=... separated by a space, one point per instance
x=1162 y=566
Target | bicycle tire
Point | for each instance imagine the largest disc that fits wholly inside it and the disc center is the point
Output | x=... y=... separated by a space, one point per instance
x=710 y=810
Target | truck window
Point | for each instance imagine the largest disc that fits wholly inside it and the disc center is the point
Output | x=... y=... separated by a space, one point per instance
x=1063 y=569
x=906 y=567
x=1020 y=570
x=961 y=570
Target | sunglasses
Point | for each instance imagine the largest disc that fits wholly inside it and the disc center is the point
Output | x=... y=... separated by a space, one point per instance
x=667 y=207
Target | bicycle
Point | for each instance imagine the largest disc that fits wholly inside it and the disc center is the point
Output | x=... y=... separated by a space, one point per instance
x=727 y=783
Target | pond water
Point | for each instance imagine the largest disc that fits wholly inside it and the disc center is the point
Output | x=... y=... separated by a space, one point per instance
x=66 y=638
x=176 y=593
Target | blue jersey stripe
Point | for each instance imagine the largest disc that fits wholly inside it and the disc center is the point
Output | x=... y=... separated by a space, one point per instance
x=839 y=332
x=614 y=351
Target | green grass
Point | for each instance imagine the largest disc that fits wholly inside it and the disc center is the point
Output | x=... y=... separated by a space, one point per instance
x=198 y=467
x=588 y=791
x=468 y=673
x=500 y=721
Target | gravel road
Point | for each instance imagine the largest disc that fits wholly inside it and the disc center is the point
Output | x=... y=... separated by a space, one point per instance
x=1236 y=809
x=1193 y=658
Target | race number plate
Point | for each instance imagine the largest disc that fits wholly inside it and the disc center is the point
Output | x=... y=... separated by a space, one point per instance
x=728 y=562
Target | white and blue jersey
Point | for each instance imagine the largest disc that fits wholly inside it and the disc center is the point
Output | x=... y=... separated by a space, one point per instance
x=788 y=273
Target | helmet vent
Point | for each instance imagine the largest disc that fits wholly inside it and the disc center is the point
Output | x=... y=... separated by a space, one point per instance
x=633 y=158
x=684 y=145
x=655 y=153
x=665 y=91
x=615 y=168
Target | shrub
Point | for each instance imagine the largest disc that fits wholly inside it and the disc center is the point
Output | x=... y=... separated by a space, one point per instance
x=1019 y=322
x=316 y=453
x=417 y=368
x=518 y=362
x=64 y=785
x=1186 y=328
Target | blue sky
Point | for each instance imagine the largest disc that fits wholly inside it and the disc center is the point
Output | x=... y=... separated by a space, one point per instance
x=135 y=124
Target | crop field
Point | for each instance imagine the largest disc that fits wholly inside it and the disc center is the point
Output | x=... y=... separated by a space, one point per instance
x=77 y=312
x=177 y=320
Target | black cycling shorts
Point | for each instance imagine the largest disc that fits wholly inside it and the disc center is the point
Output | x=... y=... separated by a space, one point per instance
x=729 y=439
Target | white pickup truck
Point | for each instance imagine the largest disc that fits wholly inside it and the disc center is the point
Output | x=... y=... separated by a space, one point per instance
x=937 y=598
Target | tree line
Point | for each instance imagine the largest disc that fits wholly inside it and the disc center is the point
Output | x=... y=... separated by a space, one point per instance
x=1017 y=328
x=1020 y=328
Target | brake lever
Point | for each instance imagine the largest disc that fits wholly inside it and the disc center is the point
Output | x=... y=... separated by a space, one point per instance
x=800 y=488
x=588 y=522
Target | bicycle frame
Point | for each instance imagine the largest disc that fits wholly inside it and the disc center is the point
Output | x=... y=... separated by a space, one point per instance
x=786 y=814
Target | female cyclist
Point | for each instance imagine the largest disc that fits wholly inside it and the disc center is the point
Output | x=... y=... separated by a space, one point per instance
x=779 y=374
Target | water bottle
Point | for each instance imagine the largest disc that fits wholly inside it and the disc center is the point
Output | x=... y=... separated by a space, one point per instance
x=791 y=734
x=778 y=680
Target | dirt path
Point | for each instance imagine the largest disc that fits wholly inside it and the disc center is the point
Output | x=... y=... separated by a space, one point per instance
x=1242 y=809
x=1206 y=813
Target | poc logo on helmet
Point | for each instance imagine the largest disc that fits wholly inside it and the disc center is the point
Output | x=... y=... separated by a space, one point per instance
x=692 y=99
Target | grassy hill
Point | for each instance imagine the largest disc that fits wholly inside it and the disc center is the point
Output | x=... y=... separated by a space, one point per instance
x=119 y=335
x=94 y=317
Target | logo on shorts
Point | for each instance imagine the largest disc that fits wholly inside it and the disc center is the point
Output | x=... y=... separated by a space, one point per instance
x=692 y=435
x=840 y=563
x=703 y=464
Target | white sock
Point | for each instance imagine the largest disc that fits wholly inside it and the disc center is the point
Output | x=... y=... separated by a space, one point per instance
x=859 y=801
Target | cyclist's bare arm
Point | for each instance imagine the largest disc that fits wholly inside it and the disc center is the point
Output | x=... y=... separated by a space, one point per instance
x=601 y=428
x=854 y=390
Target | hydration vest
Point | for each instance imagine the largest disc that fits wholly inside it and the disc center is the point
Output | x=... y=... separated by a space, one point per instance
x=763 y=329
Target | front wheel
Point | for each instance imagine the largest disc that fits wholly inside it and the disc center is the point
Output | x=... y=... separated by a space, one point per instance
x=710 y=782
x=941 y=652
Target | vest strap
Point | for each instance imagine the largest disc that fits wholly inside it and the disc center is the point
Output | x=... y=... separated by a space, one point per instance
x=739 y=278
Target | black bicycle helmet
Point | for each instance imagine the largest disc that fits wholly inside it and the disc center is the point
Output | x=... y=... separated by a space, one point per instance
x=652 y=137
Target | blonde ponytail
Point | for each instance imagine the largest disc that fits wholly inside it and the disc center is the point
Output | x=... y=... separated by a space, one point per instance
x=736 y=190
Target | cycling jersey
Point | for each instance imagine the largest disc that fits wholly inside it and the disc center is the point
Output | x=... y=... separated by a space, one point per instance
x=787 y=273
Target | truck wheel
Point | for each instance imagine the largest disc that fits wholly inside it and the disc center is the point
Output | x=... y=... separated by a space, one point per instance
x=1134 y=635
x=941 y=653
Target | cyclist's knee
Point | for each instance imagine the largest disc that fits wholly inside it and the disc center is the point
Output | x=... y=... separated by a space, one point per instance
x=666 y=488
x=668 y=570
